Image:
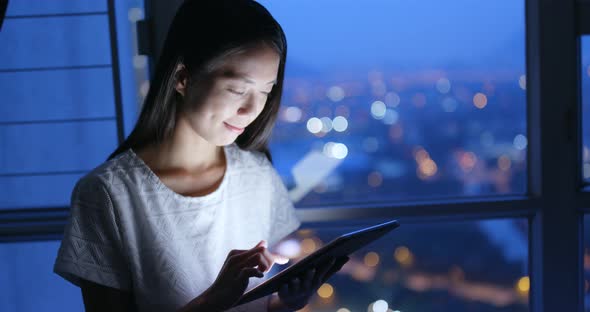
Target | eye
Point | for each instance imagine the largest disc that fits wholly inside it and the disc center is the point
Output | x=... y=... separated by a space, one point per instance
x=237 y=92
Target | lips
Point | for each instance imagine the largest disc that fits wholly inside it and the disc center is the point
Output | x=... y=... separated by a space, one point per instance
x=232 y=128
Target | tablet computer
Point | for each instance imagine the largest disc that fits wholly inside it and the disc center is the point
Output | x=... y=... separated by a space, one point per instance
x=342 y=246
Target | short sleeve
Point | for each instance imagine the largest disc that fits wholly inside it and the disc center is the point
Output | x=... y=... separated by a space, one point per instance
x=283 y=218
x=92 y=248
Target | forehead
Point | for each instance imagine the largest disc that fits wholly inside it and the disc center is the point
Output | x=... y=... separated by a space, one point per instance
x=260 y=63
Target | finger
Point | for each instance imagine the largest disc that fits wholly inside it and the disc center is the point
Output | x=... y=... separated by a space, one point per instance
x=235 y=252
x=284 y=290
x=294 y=285
x=269 y=258
x=308 y=280
x=246 y=273
x=258 y=260
x=240 y=257
x=335 y=268
x=321 y=272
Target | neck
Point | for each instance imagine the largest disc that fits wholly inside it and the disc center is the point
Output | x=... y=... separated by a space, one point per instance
x=184 y=150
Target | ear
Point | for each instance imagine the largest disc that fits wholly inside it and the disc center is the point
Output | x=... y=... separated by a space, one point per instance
x=181 y=75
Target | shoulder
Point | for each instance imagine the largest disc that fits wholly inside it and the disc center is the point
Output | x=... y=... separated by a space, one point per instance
x=107 y=174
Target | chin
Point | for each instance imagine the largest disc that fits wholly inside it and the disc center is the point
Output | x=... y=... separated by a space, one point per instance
x=223 y=141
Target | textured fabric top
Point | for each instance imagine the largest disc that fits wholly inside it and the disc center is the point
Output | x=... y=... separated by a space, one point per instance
x=127 y=230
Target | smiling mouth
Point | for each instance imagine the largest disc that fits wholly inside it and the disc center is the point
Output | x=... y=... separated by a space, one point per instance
x=234 y=129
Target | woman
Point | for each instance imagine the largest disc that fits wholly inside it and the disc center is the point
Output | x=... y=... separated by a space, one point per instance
x=182 y=213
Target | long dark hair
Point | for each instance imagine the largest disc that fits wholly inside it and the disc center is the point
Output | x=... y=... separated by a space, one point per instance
x=202 y=33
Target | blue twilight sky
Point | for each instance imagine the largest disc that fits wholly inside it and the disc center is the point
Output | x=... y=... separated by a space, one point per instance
x=423 y=33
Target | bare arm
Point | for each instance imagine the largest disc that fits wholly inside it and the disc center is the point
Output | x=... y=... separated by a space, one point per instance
x=102 y=298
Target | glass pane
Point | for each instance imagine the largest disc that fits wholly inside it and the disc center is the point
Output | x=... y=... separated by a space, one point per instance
x=460 y=266
x=27 y=281
x=586 y=107
x=81 y=111
x=385 y=100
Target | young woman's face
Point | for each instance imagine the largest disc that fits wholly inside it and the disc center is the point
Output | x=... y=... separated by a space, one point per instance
x=238 y=93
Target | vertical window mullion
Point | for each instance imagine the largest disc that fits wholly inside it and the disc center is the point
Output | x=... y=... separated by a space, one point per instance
x=553 y=155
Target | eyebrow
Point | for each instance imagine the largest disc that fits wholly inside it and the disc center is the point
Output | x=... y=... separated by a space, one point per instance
x=241 y=76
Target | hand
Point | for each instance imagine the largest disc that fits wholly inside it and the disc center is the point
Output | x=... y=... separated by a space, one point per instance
x=233 y=278
x=296 y=294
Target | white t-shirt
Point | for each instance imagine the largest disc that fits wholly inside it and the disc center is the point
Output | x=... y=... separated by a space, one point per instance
x=129 y=231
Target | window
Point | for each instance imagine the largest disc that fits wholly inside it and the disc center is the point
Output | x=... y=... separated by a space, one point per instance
x=456 y=266
x=65 y=102
x=387 y=100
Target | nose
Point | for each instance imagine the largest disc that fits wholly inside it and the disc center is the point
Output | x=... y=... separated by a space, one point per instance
x=251 y=105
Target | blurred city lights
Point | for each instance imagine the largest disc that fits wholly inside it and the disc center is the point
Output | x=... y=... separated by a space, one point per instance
x=392 y=99
x=403 y=256
x=325 y=291
x=370 y=144
x=523 y=285
x=340 y=124
x=467 y=161
x=335 y=93
x=335 y=150
x=480 y=100
x=443 y=85
x=419 y=100
x=375 y=179
x=343 y=111
x=489 y=87
x=371 y=259
x=522 y=82
x=326 y=124
x=379 y=88
x=504 y=163
x=378 y=109
x=449 y=104
x=456 y=274
x=314 y=125
x=289 y=248
x=427 y=168
x=363 y=273
x=420 y=154
x=308 y=245
x=520 y=142
x=396 y=133
x=391 y=117
x=340 y=151
x=380 y=306
x=292 y=114
x=343 y=310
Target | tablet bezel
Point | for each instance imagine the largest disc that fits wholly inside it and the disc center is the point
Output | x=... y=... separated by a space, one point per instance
x=321 y=255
